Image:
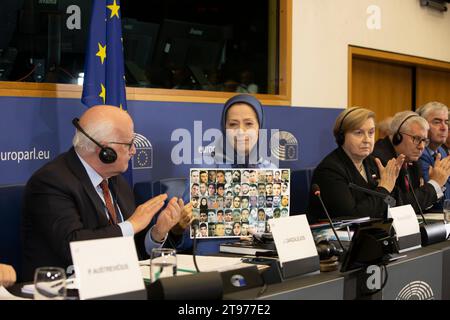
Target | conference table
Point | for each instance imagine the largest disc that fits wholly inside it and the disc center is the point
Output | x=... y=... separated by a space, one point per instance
x=423 y=273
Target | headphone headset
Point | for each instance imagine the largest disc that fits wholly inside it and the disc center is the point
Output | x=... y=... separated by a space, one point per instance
x=327 y=250
x=340 y=135
x=397 y=138
x=107 y=154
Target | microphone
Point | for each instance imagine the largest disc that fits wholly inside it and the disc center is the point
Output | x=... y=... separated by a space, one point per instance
x=389 y=200
x=430 y=233
x=415 y=197
x=316 y=191
x=195 y=224
x=326 y=249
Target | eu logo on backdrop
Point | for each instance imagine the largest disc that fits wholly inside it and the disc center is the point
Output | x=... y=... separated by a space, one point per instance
x=143 y=159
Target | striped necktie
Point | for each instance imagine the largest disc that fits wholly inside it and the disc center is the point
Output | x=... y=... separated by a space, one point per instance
x=108 y=201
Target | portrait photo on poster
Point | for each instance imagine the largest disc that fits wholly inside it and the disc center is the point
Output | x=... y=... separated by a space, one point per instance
x=237 y=202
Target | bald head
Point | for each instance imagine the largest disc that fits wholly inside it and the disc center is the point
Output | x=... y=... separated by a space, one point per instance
x=109 y=126
x=103 y=123
x=101 y=112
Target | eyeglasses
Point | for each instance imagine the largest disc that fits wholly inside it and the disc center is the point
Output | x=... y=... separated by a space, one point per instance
x=129 y=145
x=418 y=140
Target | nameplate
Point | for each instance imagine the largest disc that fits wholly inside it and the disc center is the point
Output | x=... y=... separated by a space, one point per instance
x=406 y=227
x=106 y=268
x=295 y=245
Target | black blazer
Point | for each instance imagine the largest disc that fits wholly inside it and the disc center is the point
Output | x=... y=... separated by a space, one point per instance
x=333 y=175
x=426 y=194
x=61 y=206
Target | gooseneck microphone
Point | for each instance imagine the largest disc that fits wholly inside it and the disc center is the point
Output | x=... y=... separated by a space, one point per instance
x=430 y=233
x=415 y=197
x=389 y=200
x=195 y=224
x=316 y=191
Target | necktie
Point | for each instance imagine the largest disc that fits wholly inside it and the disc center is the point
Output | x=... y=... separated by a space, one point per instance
x=434 y=156
x=108 y=202
x=405 y=166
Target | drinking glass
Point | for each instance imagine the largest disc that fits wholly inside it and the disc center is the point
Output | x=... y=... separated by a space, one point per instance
x=447 y=210
x=163 y=263
x=49 y=284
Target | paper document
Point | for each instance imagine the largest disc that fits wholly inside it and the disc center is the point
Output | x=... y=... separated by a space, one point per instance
x=343 y=235
x=70 y=284
x=5 y=295
x=185 y=264
x=432 y=216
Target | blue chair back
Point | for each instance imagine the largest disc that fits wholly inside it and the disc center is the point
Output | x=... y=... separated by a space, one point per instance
x=11 y=198
x=174 y=187
x=143 y=191
x=300 y=186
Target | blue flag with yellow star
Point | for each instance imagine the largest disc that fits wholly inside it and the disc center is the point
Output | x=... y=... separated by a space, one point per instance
x=104 y=81
x=104 y=77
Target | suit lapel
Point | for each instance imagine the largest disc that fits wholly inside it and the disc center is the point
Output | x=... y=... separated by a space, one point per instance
x=79 y=171
x=117 y=187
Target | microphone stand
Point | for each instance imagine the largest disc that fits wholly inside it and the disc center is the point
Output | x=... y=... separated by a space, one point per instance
x=389 y=200
x=430 y=233
x=195 y=224
x=316 y=190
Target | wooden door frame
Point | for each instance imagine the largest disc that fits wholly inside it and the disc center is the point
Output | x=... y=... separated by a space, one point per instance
x=389 y=57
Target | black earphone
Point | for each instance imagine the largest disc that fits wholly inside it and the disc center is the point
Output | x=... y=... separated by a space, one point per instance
x=397 y=138
x=107 y=154
x=340 y=135
x=327 y=250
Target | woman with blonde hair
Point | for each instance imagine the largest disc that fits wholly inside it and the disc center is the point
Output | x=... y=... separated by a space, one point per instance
x=351 y=162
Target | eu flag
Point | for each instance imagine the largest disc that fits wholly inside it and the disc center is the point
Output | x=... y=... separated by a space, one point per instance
x=104 y=81
x=104 y=77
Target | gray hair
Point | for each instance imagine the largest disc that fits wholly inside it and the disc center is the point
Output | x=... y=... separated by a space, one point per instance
x=385 y=125
x=429 y=107
x=399 y=120
x=98 y=130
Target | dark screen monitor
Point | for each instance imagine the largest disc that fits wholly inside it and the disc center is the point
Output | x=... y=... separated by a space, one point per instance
x=44 y=19
x=9 y=10
x=51 y=28
x=139 y=40
x=8 y=20
x=372 y=244
x=184 y=44
x=75 y=40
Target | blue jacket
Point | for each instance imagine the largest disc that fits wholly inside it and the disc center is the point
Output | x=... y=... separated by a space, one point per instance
x=427 y=160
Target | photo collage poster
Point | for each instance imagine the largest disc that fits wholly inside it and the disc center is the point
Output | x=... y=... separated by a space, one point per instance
x=227 y=202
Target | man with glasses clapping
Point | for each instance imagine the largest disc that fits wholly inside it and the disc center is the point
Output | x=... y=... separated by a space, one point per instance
x=410 y=137
x=436 y=114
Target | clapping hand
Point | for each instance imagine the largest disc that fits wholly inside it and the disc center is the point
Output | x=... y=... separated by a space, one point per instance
x=389 y=173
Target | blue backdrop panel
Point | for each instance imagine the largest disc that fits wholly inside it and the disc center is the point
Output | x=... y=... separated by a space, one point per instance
x=35 y=130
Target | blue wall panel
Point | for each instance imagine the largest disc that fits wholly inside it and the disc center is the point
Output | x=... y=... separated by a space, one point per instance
x=32 y=125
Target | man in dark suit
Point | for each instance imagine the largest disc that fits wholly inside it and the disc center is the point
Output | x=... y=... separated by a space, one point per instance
x=81 y=195
x=436 y=114
x=410 y=137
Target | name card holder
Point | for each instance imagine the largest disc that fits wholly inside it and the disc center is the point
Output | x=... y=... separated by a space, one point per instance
x=108 y=269
x=295 y=246
x=406 y=228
